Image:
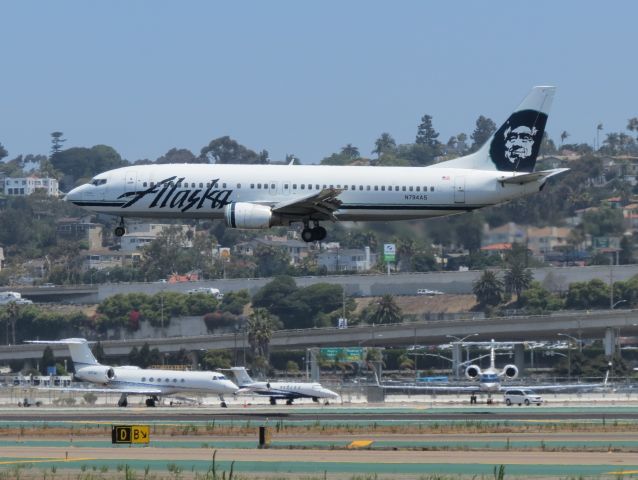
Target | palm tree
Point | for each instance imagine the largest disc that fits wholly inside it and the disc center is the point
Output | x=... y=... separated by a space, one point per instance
x=563 y=136
x=385 y=143
x=387 y=311
x=350 y=151
x=260 y=327
x=518 y=278
x=488 y=289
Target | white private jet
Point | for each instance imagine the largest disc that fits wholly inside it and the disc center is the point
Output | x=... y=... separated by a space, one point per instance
x=490 y=379
x=262 y=196
x=288 y=391
x=130 y=380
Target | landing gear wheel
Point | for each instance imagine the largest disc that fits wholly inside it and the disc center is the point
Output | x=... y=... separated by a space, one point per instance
x=319 y=233
x=119 y=231
x=273 y=401
x=307 y=235
x=289 y=401
x=122 y=403
x=150 y=402
x=223 y=405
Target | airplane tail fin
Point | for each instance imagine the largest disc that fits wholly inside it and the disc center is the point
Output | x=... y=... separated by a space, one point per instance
x=241 y=375
x=80 y=352
x=514 y=146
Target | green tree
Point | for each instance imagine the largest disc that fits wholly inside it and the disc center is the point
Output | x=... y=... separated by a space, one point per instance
x=484 y=129
x=271 y=261
x=3 y=152
x=350 y=151
x=386 y=311
x=47 y=360
x=384 y=144
x=488 y=289
x=537 y=300
x=426 y=135
x=181 y=155
x=586 y=295
x=83 y=163
x=226 y=150
x=260 y=329
x=563 y=136
x=626 y=255
x=56 y=143
x=234 y=302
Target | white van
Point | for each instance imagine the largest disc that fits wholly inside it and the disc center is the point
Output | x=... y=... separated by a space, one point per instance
x=12 y=297
x=522 y=396
x=207 y=291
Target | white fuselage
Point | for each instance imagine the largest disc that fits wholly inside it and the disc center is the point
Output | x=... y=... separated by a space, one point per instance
x=367 y=193
x=293 y=390
x=167 y=382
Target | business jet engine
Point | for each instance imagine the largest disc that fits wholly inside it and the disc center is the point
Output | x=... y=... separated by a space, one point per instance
x=250 y=215
x=96 y=373
x=510 y=371
x=472 y=372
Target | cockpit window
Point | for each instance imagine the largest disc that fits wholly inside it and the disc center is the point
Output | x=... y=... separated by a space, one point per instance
x=98 y=181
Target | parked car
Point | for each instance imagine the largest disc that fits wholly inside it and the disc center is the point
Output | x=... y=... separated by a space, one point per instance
x=521 y=396
x=425 y=291
x=207 y=291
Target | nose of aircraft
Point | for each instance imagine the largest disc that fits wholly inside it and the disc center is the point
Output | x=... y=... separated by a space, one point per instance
x=229 y=386
x=75 y=194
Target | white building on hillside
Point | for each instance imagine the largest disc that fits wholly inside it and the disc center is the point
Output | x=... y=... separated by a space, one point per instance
x=28 y=185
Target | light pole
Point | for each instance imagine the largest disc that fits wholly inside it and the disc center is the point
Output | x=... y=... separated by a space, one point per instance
x=467 y=349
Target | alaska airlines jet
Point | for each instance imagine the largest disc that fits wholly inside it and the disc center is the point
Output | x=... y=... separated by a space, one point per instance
x=288 y=391
x=262 y=196
x=130 y=380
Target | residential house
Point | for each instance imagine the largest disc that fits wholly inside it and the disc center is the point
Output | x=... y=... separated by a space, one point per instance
x=296 y=249
x=79 y=229
x=103 y=259
x=27 y=185
x=544 y=240
x=508 y=233
x=140 y=234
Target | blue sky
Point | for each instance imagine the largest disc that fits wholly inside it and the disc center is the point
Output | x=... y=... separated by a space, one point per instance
x=303 y=77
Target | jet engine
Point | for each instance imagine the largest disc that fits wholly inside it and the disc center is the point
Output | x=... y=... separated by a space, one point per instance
x=472 y=372
x=249 y=215
x=510 y=371
x=96 y=373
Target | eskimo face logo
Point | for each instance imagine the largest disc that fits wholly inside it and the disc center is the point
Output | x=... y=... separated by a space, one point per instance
x=518 y=143
x=172 y=194
x=515 y=145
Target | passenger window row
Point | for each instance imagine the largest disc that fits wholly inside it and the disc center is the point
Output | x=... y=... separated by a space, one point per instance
x=303 y=186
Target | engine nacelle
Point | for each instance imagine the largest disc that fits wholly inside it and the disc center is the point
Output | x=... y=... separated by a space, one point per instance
x=249 y=215
x=510 y=371
x=96 y=373
x=472 y=372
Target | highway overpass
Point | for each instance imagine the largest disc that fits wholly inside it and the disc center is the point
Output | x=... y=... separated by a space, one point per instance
x=601 y=324
x=554 y=278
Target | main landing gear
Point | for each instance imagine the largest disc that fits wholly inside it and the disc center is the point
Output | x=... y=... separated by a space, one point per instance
x=222 y=402
x=120 y=230
x=315 y=234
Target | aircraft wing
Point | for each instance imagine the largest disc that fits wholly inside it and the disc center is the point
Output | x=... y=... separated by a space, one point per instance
x=320 y=205
x=128 y=391
x=432 y=388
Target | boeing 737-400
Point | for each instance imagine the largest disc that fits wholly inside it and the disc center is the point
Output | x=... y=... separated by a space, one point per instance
x=262 y=196
x=129 y=380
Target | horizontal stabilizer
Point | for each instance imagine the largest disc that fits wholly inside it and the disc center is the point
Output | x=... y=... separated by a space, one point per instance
x=531 y=177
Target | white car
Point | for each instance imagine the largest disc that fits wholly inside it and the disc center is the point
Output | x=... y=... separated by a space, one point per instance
x=521 y=396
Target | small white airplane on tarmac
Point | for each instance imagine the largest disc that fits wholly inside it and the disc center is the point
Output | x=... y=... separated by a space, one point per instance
x=262 y=196
x=131 y=380
x=489 y=379
x=288 y=391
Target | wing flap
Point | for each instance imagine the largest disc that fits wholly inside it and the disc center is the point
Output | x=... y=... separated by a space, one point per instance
x=320 y=205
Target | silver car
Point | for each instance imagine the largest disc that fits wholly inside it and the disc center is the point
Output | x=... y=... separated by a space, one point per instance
x=521 y=396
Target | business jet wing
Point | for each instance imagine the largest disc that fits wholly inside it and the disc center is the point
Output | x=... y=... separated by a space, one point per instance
x=128 y=391
x=319 y=206
x=431 y=388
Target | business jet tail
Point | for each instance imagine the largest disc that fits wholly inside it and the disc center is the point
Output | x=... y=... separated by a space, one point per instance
x=241 y=375
x=80 y=352
x=514 y=146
